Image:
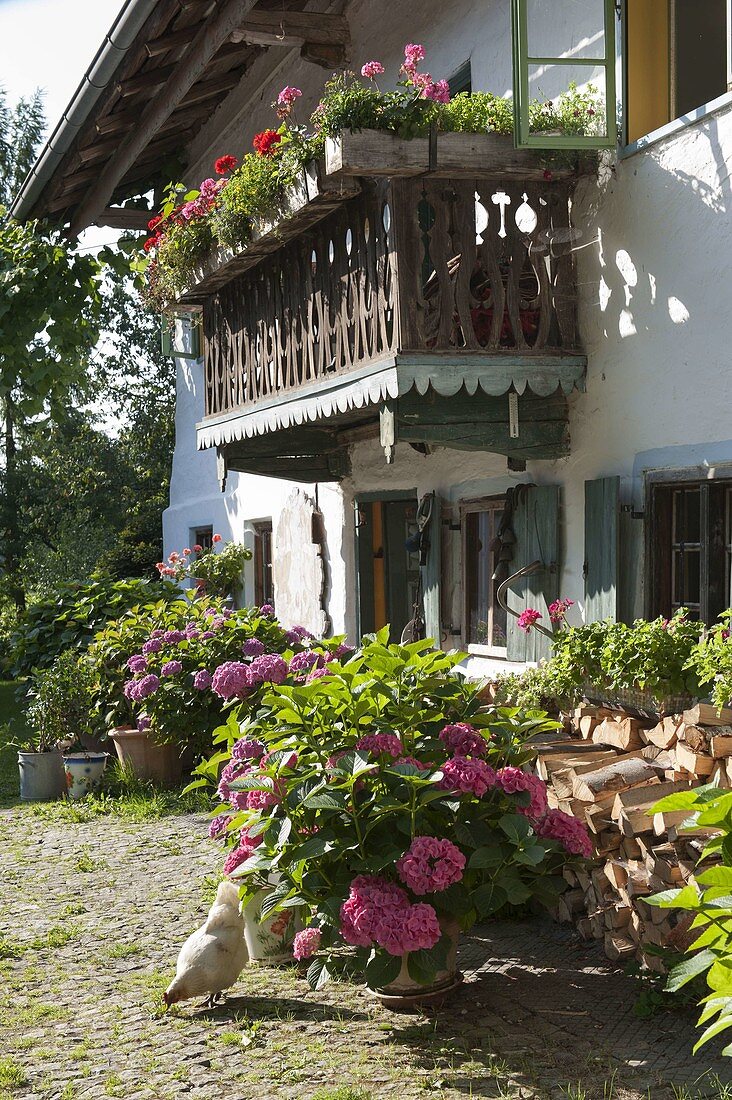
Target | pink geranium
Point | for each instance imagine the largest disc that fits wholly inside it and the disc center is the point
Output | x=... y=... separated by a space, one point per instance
x=438 y=91
x=558 y=610
x=527 y=619
x=372 y=69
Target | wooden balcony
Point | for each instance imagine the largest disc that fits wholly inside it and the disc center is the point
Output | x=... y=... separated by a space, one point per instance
x=380 y=291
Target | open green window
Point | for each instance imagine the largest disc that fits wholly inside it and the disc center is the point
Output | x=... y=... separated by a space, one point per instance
x=558 y=44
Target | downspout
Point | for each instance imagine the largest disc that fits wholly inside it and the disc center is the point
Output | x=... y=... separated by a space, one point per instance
x=96 y=80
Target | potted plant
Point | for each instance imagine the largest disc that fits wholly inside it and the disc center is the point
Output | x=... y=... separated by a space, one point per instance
x=216 y=573
x=158 y=679
x=61 y=709
x=41 y=766
x=394 y=811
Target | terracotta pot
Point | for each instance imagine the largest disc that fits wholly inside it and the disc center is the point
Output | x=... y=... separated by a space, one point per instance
x=404 y=994
x=137 y=751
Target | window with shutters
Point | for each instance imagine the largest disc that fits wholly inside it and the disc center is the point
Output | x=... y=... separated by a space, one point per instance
x=485 y=619
x=691 y=548
x=263 y=579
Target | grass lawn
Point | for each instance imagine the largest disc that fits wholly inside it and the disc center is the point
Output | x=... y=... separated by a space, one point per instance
x=122 y=795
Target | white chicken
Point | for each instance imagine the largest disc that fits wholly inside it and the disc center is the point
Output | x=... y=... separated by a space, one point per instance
x=213 y=957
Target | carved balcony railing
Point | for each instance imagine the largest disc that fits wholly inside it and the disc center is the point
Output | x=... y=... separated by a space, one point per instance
x=429 y=268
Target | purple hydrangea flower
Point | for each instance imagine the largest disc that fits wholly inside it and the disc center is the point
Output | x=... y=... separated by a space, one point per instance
x=206 y=635
x=303 y=633
x=304 y=661
x=202 y=679
x=171 y=637
x=140 y=689
x=157 y=633
x=231 y=679
x=137 y=663
x=192 y=631
x=268 y=669
x=171 y=668
x=218 y=826
x=253 y=648
x=247 y=750
x=143 y=723
x=266 y=609
x=154 y=645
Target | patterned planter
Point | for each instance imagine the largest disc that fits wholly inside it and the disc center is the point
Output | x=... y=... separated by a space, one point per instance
x=84 y=772
x=269 y=941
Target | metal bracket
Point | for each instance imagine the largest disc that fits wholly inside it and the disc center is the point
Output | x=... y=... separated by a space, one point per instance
x=628 y=510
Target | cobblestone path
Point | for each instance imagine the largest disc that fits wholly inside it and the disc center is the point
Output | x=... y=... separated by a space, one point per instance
x=91 y=919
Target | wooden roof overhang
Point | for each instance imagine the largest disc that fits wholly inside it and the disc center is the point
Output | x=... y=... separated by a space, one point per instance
x=180 y=66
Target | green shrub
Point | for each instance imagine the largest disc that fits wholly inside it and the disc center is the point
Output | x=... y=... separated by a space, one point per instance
x=709 y=898
x=71 y=616
x=711 y=660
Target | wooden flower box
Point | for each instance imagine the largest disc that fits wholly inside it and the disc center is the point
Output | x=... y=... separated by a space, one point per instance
x=312 y=198
x=443 y=155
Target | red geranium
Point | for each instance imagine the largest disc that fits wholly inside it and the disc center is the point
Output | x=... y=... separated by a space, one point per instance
x=266 y=142
x=151 y=242
x=225 y=164
x=154 y=223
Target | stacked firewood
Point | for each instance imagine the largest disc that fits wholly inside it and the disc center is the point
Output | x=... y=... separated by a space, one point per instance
x=608 y=769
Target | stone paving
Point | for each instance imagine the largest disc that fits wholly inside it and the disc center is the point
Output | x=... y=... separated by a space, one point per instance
x=91 y=919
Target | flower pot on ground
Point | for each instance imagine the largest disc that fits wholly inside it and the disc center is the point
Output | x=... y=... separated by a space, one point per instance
x=269 y=938
x=84 y=771
x=406 y=993
x=139 y=753
x=41 y=775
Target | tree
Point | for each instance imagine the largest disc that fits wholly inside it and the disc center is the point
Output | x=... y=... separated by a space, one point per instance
x=21 y=131
x=49 y=324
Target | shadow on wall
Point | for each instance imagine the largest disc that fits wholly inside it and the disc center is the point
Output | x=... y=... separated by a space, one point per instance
x=653 y=239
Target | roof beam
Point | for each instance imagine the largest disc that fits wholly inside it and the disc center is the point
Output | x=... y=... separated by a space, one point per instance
x=293 y=28
x=119 y=217
x=205 y=45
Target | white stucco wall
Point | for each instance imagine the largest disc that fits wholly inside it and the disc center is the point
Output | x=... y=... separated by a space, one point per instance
x=654 y=258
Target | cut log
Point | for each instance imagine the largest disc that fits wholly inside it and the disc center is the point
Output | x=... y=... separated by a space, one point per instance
x=662 y=822
x=663 y=861
x=630 y=848
x=582 y=755
x=693 y=736
x=720 y=745
x=624 y=773
x=618 y=947
x=644 y=797
x=616 y=872
x=620 y=733
x=665 y=733
x=608 y=840
x=617 y=917
x=704 y=714
x=695 y=762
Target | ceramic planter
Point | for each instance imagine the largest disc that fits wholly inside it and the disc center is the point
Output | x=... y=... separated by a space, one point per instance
x=404 y=994
x=269 y=942
x=84 y=772
x=41 y=776
x=137 y=751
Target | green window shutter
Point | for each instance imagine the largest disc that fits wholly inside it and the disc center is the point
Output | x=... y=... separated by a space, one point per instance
x=602 y=532
x=431 y=576
x=536 y=527
x=544 y=65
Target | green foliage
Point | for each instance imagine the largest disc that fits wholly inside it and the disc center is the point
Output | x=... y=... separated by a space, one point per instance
x=69 y=618
x=710 y=900
x=711 y=660
x=21 y=131
x=61 y=702
x=652 y=657
x=219 y=570
x=339 y=811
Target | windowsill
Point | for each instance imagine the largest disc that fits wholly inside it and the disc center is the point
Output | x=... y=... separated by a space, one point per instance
x=498 y=653
x=676 y=126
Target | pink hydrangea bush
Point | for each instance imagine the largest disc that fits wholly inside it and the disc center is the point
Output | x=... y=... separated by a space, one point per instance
x=391 y=805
